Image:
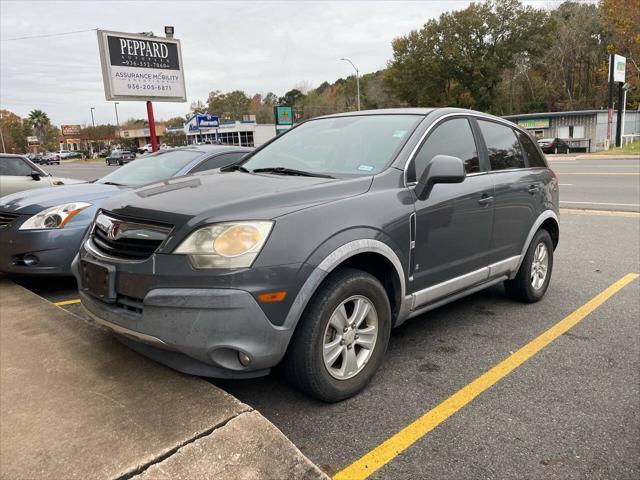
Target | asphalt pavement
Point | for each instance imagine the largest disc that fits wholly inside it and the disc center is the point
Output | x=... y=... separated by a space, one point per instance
x=571 y=411
x=80 y=170
x=610 y=184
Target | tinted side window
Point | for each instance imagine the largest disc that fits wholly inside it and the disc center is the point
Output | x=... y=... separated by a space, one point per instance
x=504 y=148
x=453 y=137
x=534 y=157
x=14 y=166
x=219 y=161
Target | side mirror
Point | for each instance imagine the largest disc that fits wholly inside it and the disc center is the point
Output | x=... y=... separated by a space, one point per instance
x=35 y=175
x=441 y=169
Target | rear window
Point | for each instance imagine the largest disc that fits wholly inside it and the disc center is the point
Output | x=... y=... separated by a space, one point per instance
x=505 y=152
x=534 y=157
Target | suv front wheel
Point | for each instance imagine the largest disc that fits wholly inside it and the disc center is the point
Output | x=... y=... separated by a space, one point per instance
x=342 y=337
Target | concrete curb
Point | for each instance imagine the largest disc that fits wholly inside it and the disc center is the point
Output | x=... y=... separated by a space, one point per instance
x=77 y=404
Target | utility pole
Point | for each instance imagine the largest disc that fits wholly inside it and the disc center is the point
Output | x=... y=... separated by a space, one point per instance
x=93 y=122
x=357 y=80
x=117 y=120
x=2 y=135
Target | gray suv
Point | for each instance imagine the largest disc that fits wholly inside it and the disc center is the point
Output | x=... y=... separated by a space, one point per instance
x=308 y=251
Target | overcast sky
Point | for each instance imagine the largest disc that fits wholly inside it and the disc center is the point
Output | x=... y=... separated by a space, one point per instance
x=252 y=46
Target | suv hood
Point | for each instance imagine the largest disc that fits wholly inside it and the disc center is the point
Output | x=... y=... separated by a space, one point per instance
x=227 y=196
x=30 y=202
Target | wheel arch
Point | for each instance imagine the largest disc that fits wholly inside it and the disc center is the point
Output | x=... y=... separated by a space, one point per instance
x=370 y=255
x=547 y=220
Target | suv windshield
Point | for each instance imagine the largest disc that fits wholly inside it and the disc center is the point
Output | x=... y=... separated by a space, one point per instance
x=151 y=168
x=358 y=145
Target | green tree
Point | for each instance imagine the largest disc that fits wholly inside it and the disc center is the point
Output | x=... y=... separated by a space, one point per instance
x=229 y=106
x=40 y=123
x=459 y=58
x=175 y=122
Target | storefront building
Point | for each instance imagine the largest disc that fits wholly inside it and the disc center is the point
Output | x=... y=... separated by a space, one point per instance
x=246 y=133
x=583 y=130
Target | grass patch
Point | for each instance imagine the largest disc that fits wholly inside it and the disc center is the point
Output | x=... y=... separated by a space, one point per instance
x=628 y=149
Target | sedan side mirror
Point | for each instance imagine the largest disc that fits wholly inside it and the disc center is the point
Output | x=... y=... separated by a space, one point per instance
x=441 y=169
x=35 y=175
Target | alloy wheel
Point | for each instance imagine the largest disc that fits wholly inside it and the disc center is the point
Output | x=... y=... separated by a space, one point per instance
x=539 y=266
x=350 y=337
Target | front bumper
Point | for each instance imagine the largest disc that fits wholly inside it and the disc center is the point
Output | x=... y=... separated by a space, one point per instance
x=54 y=249
x=195 y=321
x=196 y=331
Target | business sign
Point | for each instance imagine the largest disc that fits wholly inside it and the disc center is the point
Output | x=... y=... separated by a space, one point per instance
x=68 y=130
x=32 y=140
x=206 y=120
x=138 y=67
x=533 y=123
x=284 y=115
x=619 y=68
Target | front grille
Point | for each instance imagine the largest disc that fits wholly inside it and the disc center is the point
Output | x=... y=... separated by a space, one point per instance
x=127 y=239
x=6 y=218
x=131 y=304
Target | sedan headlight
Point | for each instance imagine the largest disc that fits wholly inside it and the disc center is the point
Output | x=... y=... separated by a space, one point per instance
x=54 y=217
x=225 y=245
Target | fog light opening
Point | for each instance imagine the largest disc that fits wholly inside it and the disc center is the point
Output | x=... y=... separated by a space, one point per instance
x=30 y=260
x=244 y=359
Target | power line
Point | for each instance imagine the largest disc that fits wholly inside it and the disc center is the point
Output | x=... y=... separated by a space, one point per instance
x=49 y=35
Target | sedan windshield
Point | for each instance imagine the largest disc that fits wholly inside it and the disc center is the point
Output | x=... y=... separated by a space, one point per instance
x=339 y=146
x=151 y=168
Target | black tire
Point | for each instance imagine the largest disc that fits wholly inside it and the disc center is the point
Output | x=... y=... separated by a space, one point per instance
x=120 y=163
x=304 y=365
x=521 y=288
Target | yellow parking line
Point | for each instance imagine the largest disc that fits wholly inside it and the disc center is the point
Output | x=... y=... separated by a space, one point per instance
x=398 y=443
x=67 y=302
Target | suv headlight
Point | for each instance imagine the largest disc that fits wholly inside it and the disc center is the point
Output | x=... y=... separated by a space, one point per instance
x=225 y=245
x=54 y=217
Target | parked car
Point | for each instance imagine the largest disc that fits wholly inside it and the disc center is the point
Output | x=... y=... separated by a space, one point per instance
x=118 y=157
x=36 y=158
x=69 y=154
x=50 y=158
x=145 y=148
x=18 y=173
x=553 y=145
x=308 y=251
x=40 y=232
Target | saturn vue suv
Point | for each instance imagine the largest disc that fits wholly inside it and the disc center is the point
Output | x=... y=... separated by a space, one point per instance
x=307 y=252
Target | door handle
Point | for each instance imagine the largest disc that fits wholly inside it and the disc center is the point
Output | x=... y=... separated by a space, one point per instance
x=534 y=189
x=485 y=199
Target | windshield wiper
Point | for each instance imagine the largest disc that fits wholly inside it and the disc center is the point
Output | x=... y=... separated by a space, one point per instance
x=113 y=183
x=234 y=168
x=290 y=171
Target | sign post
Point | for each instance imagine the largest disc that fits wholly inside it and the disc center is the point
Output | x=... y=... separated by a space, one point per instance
x=138 y=67
x=619 y=74
x=617 y=69
x=284 y=118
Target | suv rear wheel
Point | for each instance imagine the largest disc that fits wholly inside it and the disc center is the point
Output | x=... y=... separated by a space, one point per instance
x=342 y=337
x=532 y=280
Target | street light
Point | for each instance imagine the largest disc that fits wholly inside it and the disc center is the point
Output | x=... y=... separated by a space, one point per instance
x=117 y=120
x=357 y=79
x=93 y=122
